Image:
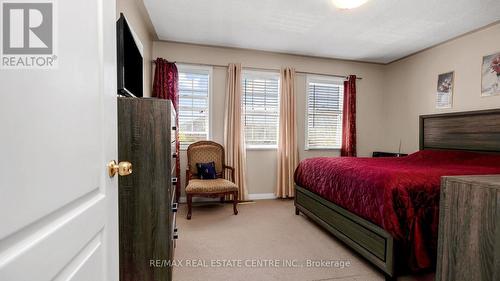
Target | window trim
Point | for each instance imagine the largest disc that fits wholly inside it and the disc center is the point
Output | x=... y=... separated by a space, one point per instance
x=262 y=74
x=261 y=147
x=318 y=78
x=203 y=69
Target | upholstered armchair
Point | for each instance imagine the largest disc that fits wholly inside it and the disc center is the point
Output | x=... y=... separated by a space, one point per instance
x=205 y=152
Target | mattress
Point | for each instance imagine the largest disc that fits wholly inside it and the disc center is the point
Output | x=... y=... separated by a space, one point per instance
x=401 y=195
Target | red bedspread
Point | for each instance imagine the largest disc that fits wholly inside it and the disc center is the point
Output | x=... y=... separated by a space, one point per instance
x=399 y=194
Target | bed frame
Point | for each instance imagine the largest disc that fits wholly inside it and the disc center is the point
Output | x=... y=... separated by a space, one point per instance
x=471 y=131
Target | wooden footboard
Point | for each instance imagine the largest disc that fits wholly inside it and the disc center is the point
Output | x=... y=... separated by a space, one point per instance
x=369 y=240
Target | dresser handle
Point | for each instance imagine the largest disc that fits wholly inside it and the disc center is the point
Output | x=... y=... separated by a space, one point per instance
x=174 y=208
x=174 y=181
x=174 y=128
x=174 y=155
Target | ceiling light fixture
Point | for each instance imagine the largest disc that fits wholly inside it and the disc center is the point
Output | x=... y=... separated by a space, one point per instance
x=348 y=4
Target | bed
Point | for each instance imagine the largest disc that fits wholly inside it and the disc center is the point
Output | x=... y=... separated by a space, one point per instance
x=387 y=209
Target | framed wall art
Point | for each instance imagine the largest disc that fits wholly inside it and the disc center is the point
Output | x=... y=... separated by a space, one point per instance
x=490 y=75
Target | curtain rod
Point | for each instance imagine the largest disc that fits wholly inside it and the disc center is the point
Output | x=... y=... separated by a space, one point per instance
x=263 y=69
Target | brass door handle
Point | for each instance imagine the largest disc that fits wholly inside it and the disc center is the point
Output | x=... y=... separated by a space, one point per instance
x=124 y=168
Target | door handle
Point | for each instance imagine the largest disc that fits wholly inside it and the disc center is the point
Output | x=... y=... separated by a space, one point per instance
x=124 y=168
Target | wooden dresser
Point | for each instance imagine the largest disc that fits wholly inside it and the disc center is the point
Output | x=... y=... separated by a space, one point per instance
x=469 y=229
x=146 y=197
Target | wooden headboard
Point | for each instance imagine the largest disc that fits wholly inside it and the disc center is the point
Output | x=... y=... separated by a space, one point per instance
x=471 y=130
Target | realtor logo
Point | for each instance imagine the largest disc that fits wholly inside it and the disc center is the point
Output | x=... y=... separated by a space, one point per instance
x=28 y=38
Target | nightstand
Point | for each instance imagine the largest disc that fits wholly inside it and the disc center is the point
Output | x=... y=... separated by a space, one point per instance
x=387 y=154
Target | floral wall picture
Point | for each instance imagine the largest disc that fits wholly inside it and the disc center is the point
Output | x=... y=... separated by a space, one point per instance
x=490 y=79
x=444 y=95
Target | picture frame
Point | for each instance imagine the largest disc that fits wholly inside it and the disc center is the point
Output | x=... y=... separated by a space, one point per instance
x=490 y=75
x=444 y=90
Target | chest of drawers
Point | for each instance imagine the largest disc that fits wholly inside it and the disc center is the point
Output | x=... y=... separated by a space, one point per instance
x=146 y=197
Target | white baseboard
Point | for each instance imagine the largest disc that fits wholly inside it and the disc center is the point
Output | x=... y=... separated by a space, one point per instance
x=199 y=199
x=261 y=196
x=255 y=196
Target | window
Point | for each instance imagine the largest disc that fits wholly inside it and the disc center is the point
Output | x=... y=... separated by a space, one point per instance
x=324 y=112
x=260 y=104
x=194 y=104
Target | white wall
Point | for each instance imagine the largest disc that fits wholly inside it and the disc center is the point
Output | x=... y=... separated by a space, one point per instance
x=411 y=84
x=261 y=164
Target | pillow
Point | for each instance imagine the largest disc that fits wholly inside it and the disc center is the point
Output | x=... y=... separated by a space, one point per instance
x=206 y=171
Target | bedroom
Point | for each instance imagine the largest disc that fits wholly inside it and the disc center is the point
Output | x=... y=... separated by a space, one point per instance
x=423 y=81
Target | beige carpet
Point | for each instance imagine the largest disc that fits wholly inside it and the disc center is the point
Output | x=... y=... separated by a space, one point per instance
x=265 y=241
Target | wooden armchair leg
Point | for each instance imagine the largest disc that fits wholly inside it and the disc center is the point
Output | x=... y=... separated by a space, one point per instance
x=190 y=205
x=235 y=202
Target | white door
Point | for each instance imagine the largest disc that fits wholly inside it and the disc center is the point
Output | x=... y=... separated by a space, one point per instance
x=58 y=206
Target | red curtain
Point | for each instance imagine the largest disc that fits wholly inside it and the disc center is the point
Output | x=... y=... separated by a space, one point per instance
x=349 y=118
x=166 y=86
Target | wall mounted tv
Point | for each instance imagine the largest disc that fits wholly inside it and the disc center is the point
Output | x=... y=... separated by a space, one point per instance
x=130 y=61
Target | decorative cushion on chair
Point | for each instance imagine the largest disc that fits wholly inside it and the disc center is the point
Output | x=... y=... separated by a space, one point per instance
x=210 y=186
x=206 y=171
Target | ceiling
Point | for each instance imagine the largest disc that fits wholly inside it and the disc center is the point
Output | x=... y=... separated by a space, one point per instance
x=380 y=31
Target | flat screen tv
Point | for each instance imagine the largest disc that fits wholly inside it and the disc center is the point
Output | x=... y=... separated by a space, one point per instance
x=130 y=61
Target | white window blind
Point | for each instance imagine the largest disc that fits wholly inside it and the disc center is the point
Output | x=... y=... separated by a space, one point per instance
x=324 y=113
x=194 y=105
x=260 y=109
